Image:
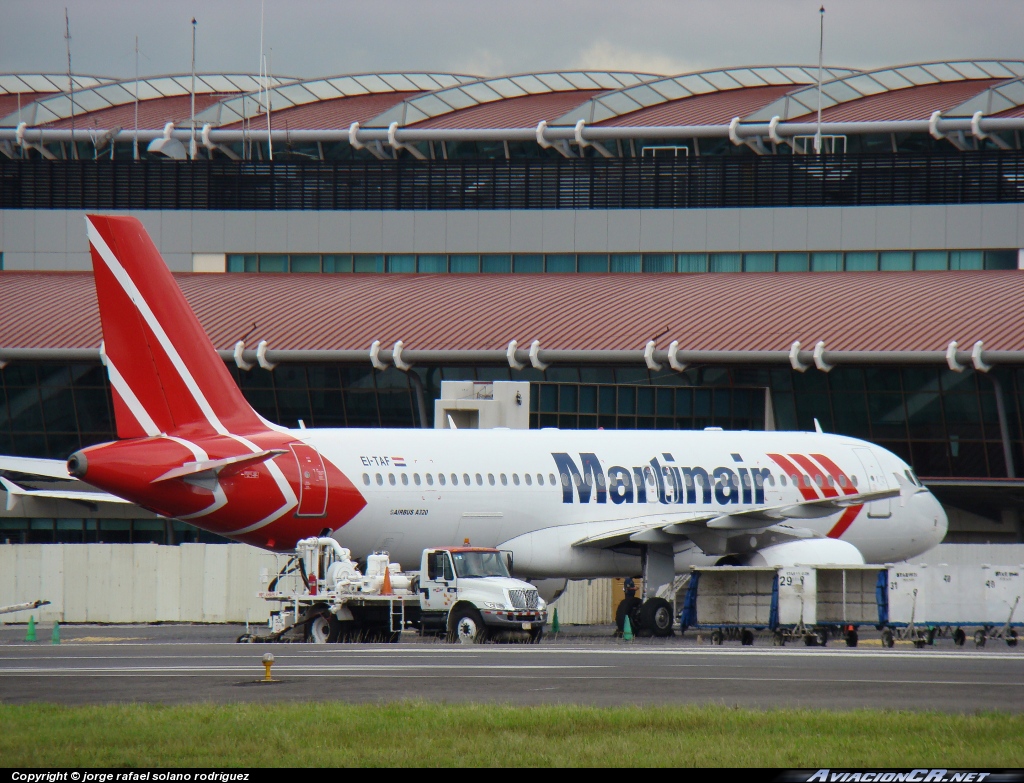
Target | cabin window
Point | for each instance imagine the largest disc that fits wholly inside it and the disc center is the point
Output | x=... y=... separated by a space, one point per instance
x=528 y=479
x=504 y=480
x=490 y=479
x=405 y=479
x=416 y=478
x=380 y=480
x=430 y=479
x=440 y=478
x=391 y=479
x=366 y=479
x=551 y=479
x=465 y=479
x=515 y=478
x=479 y=480
x=540 y=479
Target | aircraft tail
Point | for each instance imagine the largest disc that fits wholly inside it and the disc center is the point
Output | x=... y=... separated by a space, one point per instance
x=165 y=374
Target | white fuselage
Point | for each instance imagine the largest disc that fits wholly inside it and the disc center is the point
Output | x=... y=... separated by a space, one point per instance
x=537 y=492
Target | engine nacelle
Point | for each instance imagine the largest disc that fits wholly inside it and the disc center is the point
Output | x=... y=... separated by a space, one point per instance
x=550 y=589
x=813 y=551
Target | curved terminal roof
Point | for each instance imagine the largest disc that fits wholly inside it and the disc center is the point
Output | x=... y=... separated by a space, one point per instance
x=564 y=312
x=51 y=110
x=22 y=89
x=318 y=91
x=1005 y=99
x=890 y=82
x=610 y=106
x=484 y=91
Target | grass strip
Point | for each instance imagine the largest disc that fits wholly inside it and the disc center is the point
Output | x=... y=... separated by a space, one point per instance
x=420 y=734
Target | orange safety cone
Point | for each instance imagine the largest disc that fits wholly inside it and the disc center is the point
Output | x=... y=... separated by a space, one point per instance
x=386 y=587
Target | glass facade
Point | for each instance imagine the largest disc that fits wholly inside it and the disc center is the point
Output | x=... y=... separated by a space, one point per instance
x=460 y=263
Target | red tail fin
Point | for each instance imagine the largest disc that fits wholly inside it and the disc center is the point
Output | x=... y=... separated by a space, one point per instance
x=165 y=373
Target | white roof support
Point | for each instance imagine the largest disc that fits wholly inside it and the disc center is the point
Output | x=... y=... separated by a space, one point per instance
x=673 y=357
x=261 y=356
x=375 y=359
x=397 y=145
x=652 y=365
x=535 y=356
x=396 y=356
x=951 y=358
x=794 y=358
x=510 y=353
x=976 y=357
x=819 y=360
x=241 y=363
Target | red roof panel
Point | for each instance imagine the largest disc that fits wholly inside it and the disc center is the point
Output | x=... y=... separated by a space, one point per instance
x=153 y=114
x=911 y=103
x=849 y=311
x=715 y=108
x=332 y=114
x=522 y=112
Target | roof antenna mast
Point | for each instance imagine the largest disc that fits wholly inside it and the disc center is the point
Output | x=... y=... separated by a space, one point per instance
x=821 y=49
x=192 y=143
x=71 y=83
x=135 y=138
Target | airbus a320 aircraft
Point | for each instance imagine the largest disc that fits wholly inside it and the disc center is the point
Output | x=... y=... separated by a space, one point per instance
x=568 y=504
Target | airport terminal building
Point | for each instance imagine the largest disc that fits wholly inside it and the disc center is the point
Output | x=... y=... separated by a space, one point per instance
x=648 y=252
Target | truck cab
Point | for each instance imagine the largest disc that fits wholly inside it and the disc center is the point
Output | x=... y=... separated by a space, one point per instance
x=467 y=594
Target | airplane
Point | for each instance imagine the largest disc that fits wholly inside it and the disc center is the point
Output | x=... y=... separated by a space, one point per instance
x=566 y=504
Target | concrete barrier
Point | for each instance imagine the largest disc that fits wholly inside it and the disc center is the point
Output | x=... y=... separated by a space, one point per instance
x=135 y=583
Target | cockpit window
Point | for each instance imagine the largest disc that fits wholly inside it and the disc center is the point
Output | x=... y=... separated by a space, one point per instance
x=473 y=564
x=913 y=478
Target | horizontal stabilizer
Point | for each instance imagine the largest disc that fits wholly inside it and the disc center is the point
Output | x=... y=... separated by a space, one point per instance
x=216 y=467
x=14 y=490
x=51 y=468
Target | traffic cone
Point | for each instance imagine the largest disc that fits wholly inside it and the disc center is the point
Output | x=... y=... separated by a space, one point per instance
x=555 y=626
x=30 y=636
x=55 y=636
x=627 y=630
x=386 y=587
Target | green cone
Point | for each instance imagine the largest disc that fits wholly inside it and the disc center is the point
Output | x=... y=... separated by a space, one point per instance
x=30 y=636
x=627 y=630
x=55 y=636
x=555 y=625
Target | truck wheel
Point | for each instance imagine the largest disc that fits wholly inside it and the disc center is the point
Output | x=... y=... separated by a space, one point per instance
x=628 y=607
x=466 y=626
x=656 y=617
x=323 y=628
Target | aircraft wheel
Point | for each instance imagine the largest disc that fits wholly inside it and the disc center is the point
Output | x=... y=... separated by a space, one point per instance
x=656 y=616
x=979 y=639
x=1011 y=638
x=959 y=637
x=887 y=640
x=628 y=607
x=466 y=627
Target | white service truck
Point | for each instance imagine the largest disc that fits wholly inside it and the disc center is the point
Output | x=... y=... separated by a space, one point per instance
x=463 y=593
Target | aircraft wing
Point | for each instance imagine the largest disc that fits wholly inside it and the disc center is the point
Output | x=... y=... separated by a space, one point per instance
x=671 y=528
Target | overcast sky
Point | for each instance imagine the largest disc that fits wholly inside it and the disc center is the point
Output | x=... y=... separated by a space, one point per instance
x=323 y=37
